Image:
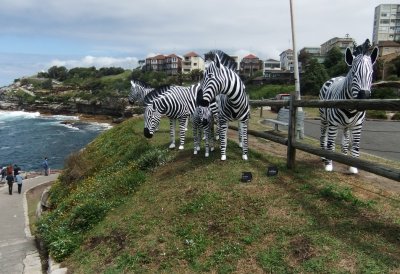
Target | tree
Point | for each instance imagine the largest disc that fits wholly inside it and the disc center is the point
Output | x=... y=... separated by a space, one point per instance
x=334 y=63
x=58 y=73
x=314 y=77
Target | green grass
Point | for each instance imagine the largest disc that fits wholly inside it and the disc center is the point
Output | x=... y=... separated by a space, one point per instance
x=135 y=207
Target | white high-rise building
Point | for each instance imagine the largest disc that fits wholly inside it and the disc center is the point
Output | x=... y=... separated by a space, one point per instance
x=386 y=23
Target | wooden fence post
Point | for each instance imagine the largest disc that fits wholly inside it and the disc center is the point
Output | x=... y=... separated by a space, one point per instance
x=291 y=151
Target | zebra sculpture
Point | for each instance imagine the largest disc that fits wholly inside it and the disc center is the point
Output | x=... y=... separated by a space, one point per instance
x=356 y=85
x=220 y=78
x=175 y=102
x=203 y=118
x=138 y=91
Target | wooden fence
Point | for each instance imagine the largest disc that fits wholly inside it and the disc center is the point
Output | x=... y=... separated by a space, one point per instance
x=293 y=144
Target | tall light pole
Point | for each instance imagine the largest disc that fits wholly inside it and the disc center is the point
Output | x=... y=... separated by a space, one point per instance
x=296 y=62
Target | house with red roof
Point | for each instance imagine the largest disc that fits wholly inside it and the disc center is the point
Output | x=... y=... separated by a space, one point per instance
x=249 y=65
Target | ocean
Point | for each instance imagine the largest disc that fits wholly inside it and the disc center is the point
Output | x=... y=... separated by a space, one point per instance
x=27 y=137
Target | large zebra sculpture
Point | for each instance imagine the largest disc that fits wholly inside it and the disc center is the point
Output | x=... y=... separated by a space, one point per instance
x=175 y=102
x=220 y=78
x=356 y=85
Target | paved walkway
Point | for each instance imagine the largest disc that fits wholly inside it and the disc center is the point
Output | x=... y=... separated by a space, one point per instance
x=18 y=253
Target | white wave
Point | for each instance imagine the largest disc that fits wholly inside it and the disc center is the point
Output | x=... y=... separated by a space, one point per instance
x=69 y=126
x=62 y=117
x=12 y=115
x=99 y=126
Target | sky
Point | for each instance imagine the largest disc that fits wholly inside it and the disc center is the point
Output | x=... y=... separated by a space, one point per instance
x=38 y=34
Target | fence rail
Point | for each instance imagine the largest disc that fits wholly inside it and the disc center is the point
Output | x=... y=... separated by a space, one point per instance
x=292 y=144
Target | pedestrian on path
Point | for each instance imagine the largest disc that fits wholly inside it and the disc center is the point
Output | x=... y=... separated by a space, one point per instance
x=3 y=174
x=46 y=168
x=18 y=180
x=10 y=182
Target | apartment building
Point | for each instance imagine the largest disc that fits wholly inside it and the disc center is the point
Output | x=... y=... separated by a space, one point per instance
x=249 y=65
x=313 y=52
x=386 y=23
x=341 y=43
x=192 y=61
x=170 y=64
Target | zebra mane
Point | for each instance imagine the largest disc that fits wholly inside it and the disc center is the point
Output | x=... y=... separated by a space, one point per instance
x=141 y=83
x=226 y=60
x=362 y=49
x=154 y=94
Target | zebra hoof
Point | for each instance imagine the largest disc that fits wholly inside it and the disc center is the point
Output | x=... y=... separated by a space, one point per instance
x=244 y=157
x=172 y=146
x=181 y=147
x=195 y=152
x=212 y=148
x=353 y=170
x=217 y=138
x=223 y=157
x=198 y=148
x=329 y=167
x=207 y=154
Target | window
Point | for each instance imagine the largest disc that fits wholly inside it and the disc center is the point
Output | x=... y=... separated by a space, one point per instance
x=384 y=21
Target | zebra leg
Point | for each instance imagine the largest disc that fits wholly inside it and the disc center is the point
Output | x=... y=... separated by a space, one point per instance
x=223 y=130
x=355 y=146
x=211 y=135
x=244 y=138
x=332 y=132
x=240 y=135
x=186 y=123
x=345 y=141
x=172 y=123
x=195 y=137
x=207 y=138
x=324 y=136
x=182 y=132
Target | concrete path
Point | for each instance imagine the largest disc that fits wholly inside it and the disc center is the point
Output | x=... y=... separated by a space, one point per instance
x=18 y=253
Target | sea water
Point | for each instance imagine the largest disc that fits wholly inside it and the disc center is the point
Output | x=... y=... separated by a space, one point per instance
x=27 y=137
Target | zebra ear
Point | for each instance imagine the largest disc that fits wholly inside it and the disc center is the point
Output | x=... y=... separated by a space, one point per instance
x=374 y=55
x=217 y=61
x=348 y=57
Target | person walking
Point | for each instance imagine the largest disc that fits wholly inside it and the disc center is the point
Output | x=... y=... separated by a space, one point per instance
x=10 y=182
x=17 y=169
x=46 y=167
x=18 y=180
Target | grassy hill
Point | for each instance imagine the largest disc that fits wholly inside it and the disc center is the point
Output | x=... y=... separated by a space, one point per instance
x=126 y=204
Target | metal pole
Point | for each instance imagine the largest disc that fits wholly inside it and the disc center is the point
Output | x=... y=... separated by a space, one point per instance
x=295 y=59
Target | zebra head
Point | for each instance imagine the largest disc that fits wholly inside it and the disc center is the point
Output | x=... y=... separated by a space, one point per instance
x=204 y=114
x=134 y=95
x=361 y=70
x=151 y=120
x=211 y=83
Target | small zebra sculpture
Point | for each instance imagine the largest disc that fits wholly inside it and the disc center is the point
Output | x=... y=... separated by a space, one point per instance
x=203 y=119
x=356 y=85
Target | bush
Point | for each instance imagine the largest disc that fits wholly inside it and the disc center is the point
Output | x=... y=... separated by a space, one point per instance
x=376 y=114
x=153 y=158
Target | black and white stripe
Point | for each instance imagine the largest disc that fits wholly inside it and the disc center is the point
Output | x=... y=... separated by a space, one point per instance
x=203 y=119
x=138 y=91
x=175 y=102
x=221 y=79
x=356 y=85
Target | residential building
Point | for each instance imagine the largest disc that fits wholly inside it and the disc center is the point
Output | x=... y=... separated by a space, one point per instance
x=388 y=48
x=272 y=64
x=341 y=43
x=192 y=61
x=386 y=23
x=287 y=60
x=314 y=52
x=173 y=64
x=249 y=65
x=155 y=63
x=170 y=64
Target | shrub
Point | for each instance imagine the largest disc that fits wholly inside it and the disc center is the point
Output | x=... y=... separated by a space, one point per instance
x=153 y=158
x=376 y=114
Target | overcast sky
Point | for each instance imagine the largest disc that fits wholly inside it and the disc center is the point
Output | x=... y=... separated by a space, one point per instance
x=37 y=34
